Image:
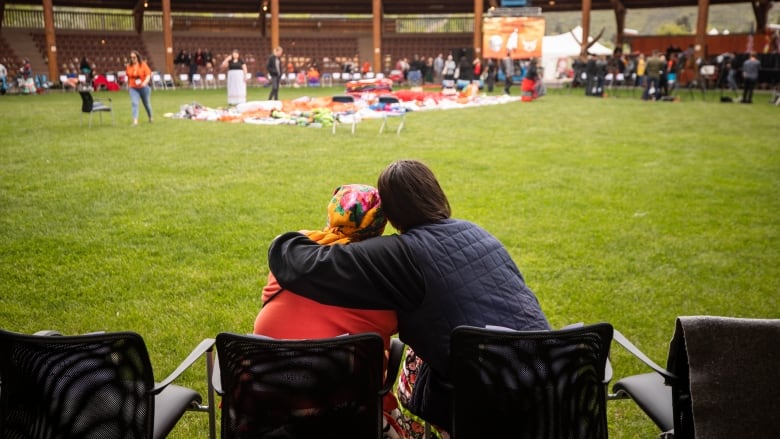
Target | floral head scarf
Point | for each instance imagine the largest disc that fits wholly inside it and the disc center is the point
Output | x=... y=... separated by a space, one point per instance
x=354 y=213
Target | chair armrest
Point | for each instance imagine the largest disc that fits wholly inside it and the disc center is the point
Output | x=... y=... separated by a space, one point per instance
x=48 y=333
x=216 y=378
x=608 y=372
x=630 y=347
x=205 y=346
x=52 y=332
x=393 y=364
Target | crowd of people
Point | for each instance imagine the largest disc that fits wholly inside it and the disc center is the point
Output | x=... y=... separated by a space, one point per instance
x=24 y=82
x=198 y=61
x=449 y=71
x=660 y=74
x=78 y=71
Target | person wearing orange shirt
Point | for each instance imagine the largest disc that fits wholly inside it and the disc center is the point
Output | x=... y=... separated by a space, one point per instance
x=354 y=214
x=138 y=77
x=313 y=77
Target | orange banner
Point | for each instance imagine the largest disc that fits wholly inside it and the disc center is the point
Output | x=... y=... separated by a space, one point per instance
x=521 y=37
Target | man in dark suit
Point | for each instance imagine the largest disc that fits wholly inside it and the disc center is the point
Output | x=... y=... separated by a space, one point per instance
x=274 y=67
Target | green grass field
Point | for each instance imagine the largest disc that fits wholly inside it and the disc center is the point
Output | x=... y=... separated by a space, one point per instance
x=615 y=210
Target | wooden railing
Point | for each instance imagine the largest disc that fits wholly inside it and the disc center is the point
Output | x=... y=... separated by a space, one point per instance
x=73 y=19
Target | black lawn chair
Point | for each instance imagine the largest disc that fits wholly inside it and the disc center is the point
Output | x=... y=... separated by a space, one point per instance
x=534 y=384
x=98 y=385
x=304 y=389
x=91 y=106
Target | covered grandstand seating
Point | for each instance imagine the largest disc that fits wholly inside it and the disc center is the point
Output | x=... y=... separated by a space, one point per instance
x=109 y=51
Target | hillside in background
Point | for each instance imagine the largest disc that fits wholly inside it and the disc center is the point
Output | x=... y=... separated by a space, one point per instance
x=736 y=18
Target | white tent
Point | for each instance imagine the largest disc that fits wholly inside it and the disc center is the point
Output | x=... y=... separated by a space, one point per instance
x=565 y=46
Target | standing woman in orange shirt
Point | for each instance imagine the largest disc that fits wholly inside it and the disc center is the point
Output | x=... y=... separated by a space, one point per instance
x=138 y=77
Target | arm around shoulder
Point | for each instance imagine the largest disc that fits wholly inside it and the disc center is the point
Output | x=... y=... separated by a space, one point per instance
x=378 y=273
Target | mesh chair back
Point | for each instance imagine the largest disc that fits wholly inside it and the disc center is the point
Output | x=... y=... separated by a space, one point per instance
x=344 y=99
x=87 y=101
x=93 y=386
x=534 y=384
x=324 y=388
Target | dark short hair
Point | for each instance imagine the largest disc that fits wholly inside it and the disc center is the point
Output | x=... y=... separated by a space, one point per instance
x=411 y=195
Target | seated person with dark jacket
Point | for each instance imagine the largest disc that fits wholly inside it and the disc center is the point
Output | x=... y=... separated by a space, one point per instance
x=438 y=273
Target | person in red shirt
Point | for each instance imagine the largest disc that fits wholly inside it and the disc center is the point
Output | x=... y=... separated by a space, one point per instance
x=354 y=214
x=138 y=77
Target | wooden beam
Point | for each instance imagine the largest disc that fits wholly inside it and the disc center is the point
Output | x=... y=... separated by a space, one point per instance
x=761 y=12
x=376 y=10
x=620 y=21
x=274 y=24
x=138 y=16
x=585 y=27
x=478 y=6
x=261 y=19
x=700 y=48
x=167 y=36
x=51 y=40
x=2 y=13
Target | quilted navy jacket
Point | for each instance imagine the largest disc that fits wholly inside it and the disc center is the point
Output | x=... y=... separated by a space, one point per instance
x=436 y=277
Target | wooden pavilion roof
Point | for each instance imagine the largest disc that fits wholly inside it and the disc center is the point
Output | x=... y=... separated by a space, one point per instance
x=391 y=7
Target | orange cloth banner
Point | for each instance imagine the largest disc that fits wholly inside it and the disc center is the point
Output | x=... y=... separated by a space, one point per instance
x=520 y=36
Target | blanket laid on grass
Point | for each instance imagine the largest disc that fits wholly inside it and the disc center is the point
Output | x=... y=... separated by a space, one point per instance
x=322 y=111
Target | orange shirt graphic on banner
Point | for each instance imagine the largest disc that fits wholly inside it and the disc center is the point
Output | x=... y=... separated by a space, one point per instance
x=521 y=37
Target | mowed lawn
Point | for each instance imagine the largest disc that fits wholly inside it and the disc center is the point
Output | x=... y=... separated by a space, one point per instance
x=615 y=210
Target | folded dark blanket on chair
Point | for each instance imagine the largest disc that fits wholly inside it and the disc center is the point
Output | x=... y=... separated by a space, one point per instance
x=734 y=367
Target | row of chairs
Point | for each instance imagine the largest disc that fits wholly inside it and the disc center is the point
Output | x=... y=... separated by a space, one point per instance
x=102 y=385
x=720 y=381
x=201 y=81
x=327 y=79
x=165 y=81
x=392 y=108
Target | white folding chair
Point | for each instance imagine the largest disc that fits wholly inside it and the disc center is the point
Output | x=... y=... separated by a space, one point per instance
x=63 y=81
x=168 y=81
x=327 y=80
x=197 y=81
x=121 y=77
x=395 y=110
x=211 y=82
x=345 y=117
x=157 y=81
x=291 y=78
